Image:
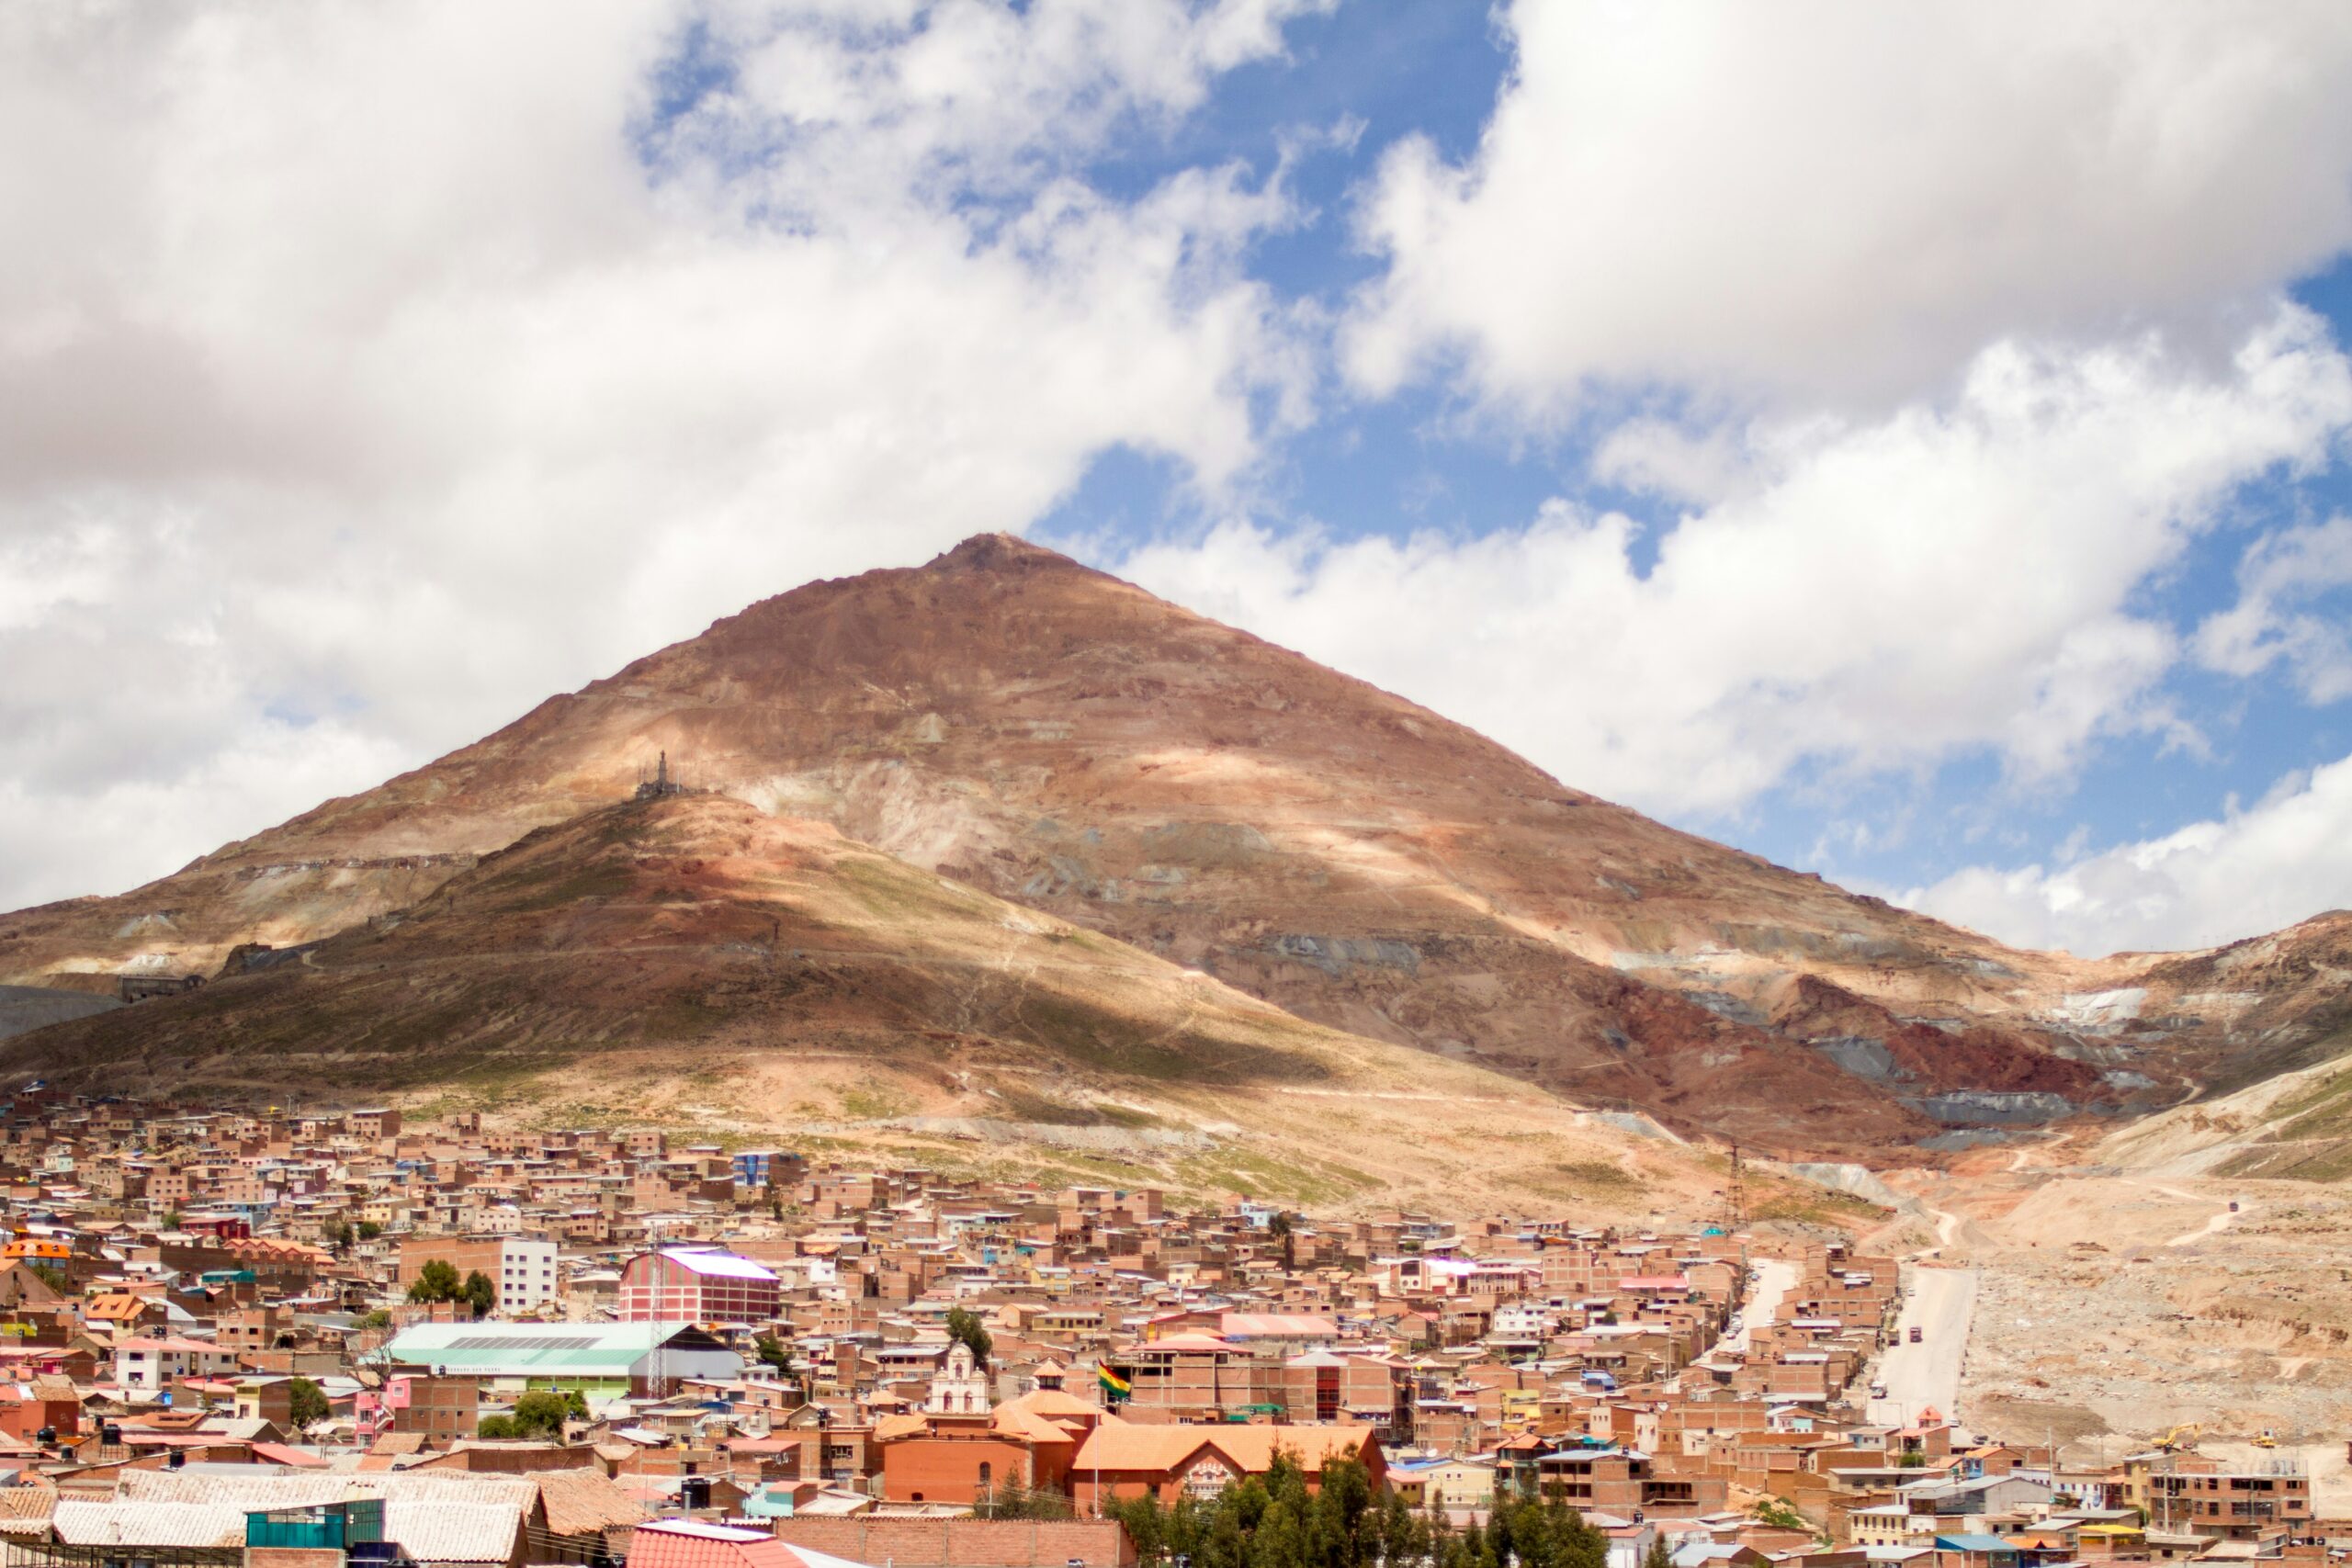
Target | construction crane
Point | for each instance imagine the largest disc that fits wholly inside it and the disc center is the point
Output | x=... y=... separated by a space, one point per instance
x=2181 y=1437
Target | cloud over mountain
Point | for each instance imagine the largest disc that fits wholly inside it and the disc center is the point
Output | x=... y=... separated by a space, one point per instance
x=1858 y=597
x=1850 y=201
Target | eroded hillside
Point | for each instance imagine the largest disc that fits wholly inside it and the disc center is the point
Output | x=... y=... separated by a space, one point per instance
x=699 y=961
x=1060 y=740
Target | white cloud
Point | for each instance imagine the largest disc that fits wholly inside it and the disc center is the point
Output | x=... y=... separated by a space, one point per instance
x=2283 y=860
x=1862 y=596
x=1843 y=200
x=378 y=371
x=2279 y=580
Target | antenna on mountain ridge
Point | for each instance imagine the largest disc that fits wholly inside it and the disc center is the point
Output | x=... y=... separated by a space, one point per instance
x=661 y=786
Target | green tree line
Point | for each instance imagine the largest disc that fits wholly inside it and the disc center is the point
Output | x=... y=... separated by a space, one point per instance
x=438 y=1281
x=1278 y=1521
x=541 y=1413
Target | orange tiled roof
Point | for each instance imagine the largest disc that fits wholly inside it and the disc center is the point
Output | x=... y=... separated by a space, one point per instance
x=1053 y=1404
x=115 y=1307
x=1124 y=1446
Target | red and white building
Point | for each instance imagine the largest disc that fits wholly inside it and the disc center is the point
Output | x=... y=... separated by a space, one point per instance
x=683 y=1285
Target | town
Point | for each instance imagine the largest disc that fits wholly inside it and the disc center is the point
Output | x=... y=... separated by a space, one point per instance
x=264 y=1337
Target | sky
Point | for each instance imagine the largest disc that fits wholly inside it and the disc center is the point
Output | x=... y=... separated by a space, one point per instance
x=1913 y=442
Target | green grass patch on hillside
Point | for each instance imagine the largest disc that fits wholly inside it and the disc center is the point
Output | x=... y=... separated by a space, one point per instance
x=1597 y=1175
x=896 y=893
x=874 y=1102
x=2319 y=1110
x=1309 y=1182
x=1099 y=1038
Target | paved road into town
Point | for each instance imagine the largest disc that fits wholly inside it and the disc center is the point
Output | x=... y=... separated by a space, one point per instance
x=1942 y=1302
x=1775 y=1278
x=1761 y=1306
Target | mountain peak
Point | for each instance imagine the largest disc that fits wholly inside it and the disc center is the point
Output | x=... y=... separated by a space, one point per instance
x=998 y=552
x=1046 y=734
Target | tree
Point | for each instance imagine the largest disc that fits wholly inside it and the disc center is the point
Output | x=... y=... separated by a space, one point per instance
x=306 y=1405
x=1280 y=1228
x=1275 y=1521
x=53 y=1277
x=1547 y=1534
x=378 y=1318
x=964 y=1326
x=436 y=1282
x=542 y=1412
x=1010 y=1500
x=774 y=1353
x=1657 y=1556
x=479 y=1293
x=1781 y=1512
x=370 y=1230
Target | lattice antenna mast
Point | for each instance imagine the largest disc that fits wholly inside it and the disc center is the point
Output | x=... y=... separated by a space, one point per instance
x=1736 y=1194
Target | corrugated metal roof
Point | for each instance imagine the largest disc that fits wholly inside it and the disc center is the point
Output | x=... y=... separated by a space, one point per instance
x=717 y=1264
x=492 y=1348
x=136 y=1523
x=434 y=1529
x=272 y=1488
x=447 y=1517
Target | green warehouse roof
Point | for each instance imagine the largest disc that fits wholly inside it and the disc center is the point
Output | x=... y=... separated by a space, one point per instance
x=581 y=1350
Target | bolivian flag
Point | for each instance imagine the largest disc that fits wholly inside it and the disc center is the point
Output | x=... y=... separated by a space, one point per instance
x=1114 y=1385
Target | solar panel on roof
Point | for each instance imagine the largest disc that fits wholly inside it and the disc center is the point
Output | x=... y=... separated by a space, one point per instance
x=516 y=1342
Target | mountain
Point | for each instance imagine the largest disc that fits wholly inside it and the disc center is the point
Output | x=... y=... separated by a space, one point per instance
x=730 y=970
x=1057 y=739
x=24 y=1008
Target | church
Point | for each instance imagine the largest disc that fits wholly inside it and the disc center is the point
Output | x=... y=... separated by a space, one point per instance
x=962 y=1448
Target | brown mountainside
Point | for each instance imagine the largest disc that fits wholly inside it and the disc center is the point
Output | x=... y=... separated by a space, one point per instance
x=1058 y=739
x=699 y=959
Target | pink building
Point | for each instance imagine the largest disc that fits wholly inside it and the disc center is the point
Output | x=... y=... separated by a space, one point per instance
x=680 y=1285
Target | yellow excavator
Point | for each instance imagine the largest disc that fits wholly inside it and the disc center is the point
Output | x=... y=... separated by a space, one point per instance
x=2269 y=1439
x=2181 y=1437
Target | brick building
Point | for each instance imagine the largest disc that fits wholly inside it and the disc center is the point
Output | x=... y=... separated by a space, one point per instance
x=521 y=1267
x=681 y=1285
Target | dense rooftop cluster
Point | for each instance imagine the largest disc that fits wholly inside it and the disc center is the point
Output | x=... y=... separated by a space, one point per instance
x=227 y=1332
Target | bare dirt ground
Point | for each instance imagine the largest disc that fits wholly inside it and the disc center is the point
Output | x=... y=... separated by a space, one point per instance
x=1377 y=1135
x=2113 y=1307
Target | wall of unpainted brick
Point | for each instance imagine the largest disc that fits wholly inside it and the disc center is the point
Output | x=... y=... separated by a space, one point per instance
x=293 y=1557
x=966 y=1543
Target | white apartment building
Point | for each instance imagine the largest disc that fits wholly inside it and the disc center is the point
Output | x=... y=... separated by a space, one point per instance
x=526 y=1274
